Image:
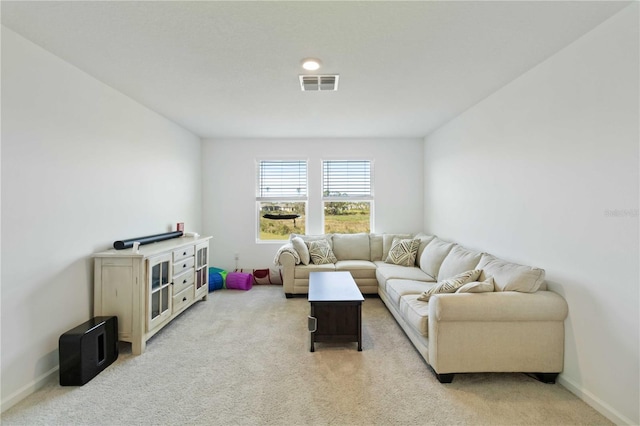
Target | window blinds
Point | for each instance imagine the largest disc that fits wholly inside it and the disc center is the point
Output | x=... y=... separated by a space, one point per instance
x=347 y=179
x=282 y=179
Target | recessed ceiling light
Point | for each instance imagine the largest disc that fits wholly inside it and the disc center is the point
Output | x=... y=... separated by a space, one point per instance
x=310 y=64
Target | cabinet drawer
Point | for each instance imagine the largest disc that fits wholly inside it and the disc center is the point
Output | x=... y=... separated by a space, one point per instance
x=182 y=281
x=183 y=265
x=182 y=299
x=183 y=253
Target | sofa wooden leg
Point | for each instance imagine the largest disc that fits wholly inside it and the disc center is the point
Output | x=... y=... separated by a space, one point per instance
x=546 y=377
x=445 y=378
x=288 y=295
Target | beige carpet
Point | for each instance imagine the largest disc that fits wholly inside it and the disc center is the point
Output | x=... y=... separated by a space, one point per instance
x=243 y=358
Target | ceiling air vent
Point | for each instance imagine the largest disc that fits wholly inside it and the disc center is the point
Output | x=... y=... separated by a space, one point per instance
x=319 y=83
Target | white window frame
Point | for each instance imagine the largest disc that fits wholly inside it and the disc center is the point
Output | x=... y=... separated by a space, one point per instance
x=284 y=196
x=346 y=197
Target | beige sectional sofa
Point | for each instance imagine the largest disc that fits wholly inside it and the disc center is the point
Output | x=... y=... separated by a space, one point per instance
x=517 y=327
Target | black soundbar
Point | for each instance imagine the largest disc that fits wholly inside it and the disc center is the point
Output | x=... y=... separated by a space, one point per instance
x=123 y=244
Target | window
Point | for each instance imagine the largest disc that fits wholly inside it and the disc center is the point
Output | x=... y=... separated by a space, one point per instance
x=281 y=198
x=347 y=196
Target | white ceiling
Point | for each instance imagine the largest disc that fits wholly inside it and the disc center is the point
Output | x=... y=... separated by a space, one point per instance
x=230 y=68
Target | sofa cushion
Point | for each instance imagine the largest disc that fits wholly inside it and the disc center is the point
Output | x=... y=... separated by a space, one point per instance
x=387 y=240
x=450 y=285
x=395 y=289
x=358 y=268
x=302 y=271
x=485 y=286
x=433 y=255
x=387 y=271
x=458 y=260
x=351 y=246
x=321 y=252
x=415 y=312
x=375 y=245
x=403 y=252
x=424 y=240
x=509 y=276
x=302 y=249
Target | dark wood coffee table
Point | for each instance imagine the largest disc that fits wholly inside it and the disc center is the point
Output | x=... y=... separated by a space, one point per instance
x=336 y=308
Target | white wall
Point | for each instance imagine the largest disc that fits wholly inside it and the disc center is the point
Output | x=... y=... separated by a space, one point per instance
x=545 y=172
x=82 y=166
x=229 y=182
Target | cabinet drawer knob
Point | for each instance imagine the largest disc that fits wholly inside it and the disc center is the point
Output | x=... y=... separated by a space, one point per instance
x=184 y=299
x=184 y=281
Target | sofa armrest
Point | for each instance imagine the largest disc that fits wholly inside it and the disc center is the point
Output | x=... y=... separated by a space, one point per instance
x=284 y=252
x=287 y=257
x=498 y=306
x=497 y=332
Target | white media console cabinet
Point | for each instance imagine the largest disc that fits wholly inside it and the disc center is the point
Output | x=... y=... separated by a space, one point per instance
x=147 y=289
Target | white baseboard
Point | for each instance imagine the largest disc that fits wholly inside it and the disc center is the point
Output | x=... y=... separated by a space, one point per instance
x=27 y=390
x=595 y=402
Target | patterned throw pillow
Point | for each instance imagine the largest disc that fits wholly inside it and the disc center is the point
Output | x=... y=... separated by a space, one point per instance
x=320 y=252
x=450 y=285
x=485 y=286
x=403 y=252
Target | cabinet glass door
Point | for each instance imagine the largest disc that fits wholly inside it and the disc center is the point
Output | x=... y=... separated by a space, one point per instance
x=202 y=276
x=159 y=271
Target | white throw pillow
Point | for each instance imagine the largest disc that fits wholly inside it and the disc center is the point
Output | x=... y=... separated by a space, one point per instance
x=403 y=252
x=307 y=238
x=485 y=286
x=450 y=285
x=320 y=252
x=302 y=249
